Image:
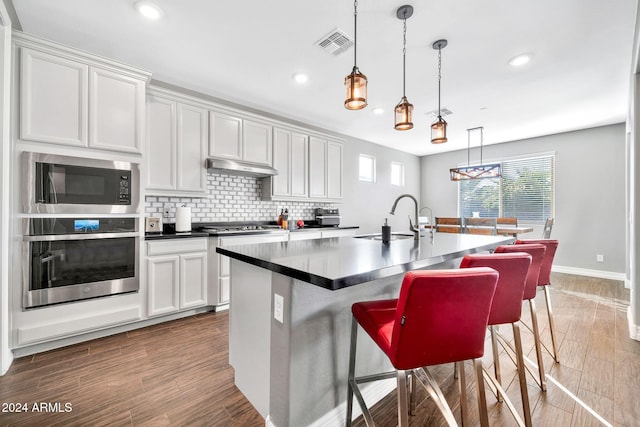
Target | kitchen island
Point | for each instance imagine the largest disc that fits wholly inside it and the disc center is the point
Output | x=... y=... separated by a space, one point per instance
x=290 y=316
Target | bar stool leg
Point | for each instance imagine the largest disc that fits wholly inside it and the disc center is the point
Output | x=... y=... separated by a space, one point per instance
x=412 y=394
x=552 y=328
x=522 y=375
x=496 y=359
x=482 y=397
x=462 y=383
x=403 y=404
x=536 y=336
x=352 y=365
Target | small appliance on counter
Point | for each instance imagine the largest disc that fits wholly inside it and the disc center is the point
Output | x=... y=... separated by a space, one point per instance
x=328 y=217
x=183 y=219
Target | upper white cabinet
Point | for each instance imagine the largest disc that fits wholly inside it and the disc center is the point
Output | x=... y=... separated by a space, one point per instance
x=291 y=160
x=325 y=169
x=238 y=138
x=72 y=98
x=176 y=145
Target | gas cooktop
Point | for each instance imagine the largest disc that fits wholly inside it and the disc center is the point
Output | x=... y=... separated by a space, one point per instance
x=241 y=229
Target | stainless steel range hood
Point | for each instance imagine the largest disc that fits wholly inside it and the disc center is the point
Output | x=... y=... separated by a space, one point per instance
x=234 y=167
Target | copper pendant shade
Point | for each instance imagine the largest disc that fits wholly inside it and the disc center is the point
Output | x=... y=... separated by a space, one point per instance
x=404 y=109
x=439 y=127
x=356 y=82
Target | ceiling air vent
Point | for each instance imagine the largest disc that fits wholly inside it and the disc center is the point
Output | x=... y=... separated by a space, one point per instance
x=335 y=42
x=443 y=112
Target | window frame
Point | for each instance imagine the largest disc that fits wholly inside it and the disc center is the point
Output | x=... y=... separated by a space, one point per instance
x=372 y=171
x=402 y=174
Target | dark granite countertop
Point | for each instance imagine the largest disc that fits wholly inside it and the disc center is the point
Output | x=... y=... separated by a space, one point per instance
x=340 y=262
x=164 y=236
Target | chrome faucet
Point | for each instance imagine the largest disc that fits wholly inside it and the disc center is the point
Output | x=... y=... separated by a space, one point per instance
x=415 y=229
x=431 y=218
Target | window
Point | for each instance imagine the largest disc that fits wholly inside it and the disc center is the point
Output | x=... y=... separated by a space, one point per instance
x=367 y=168
x=525 y=191
x=397 y=174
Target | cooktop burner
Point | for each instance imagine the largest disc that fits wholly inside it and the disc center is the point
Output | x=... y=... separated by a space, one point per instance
x=244 y=229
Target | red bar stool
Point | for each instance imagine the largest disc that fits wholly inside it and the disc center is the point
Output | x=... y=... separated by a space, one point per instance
x=544 y=280
x=506 y=309
x=537 y=252
x=439 y=317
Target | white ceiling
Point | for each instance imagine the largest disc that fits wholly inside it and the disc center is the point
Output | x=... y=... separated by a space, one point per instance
x=247 y=51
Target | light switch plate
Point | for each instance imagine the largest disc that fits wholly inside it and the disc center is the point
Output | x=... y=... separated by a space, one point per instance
x=278 y=308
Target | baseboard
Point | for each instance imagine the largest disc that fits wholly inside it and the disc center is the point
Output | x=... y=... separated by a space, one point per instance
x=634 y=330
x=600 y=274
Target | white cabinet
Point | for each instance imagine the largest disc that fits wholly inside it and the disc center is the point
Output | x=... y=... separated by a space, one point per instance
x=219 y=265
x=325 y=169
x=236 y=138
x=74 y=99
x=291 y=160
x=176 y=146
x=176 y=275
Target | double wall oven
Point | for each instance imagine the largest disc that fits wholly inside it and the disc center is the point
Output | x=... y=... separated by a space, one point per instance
x=81 y=235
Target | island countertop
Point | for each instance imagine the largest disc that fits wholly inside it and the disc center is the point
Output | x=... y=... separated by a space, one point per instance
x=340 y=262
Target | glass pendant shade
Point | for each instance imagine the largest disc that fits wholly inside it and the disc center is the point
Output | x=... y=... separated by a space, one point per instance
x=439 y=131
x=356 y=86
x=403 y=114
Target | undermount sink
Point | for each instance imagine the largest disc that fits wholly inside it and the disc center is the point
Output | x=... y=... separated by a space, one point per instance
x=378 y=236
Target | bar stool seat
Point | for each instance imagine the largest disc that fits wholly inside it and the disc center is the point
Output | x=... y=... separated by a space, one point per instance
x=439 y=317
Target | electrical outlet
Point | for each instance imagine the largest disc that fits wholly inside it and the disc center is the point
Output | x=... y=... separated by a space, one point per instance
x=278 y=308
x=600 y=258
x=166 y=213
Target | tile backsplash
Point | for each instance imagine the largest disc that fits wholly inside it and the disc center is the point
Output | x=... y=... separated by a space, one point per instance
x=230 y=198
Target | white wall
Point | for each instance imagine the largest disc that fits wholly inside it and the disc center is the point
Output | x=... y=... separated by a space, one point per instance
x=590 y=193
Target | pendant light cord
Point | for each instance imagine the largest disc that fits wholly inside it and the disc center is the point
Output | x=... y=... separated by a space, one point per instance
x=439 y=77
x=355 y=33
x=404 y=54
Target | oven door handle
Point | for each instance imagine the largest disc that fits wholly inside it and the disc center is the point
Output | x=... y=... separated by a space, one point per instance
x=59 y=237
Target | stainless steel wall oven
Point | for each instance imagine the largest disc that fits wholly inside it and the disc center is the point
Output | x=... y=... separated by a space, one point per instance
x=71 y=259
x=75 y=185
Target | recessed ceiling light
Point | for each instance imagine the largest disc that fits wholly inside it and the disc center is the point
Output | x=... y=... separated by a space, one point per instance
x=378 y=110
x=149 y=10
x=520 y=60
x=300 y=78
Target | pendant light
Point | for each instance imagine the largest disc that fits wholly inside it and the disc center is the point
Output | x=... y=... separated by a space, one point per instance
x=439 y=128
x=492 y=170
x=356 y=82
x=404 y=109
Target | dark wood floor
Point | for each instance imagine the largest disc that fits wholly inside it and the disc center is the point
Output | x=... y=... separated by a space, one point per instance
x=177 y=373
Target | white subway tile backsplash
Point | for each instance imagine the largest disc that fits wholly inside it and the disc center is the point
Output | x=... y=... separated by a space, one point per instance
x=231 y=198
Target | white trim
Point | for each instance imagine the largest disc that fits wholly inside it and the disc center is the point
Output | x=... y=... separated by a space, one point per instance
x=627 y=283
x=634 y=330
x=612 y=275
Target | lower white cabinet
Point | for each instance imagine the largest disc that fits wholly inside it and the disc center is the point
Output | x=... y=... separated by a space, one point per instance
x=176 y=275
x=305 y=235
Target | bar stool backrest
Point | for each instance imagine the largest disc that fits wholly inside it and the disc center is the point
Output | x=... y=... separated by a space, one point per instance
x=547 y=261
x=513 y=268
x=537 y=255
x=441 y=316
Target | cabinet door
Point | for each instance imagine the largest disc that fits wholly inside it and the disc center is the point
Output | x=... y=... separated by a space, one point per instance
x=116 y=111
x=281 y=183
x=161 y=144
x=317 y=167
x=192 y=133
x=226 y=136
x=53 y=99
x=193 y=280
x=334 y=170
x=338 y=233
x=257 y=142
x=163 y=283
x=299 y=172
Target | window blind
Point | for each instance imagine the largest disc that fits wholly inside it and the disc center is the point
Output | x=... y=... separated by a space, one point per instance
x=525 y=191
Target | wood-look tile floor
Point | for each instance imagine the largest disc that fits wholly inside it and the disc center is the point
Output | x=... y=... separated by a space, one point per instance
x=177 y=373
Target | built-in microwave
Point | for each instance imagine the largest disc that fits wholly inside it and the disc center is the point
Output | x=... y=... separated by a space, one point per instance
x=66 y=184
